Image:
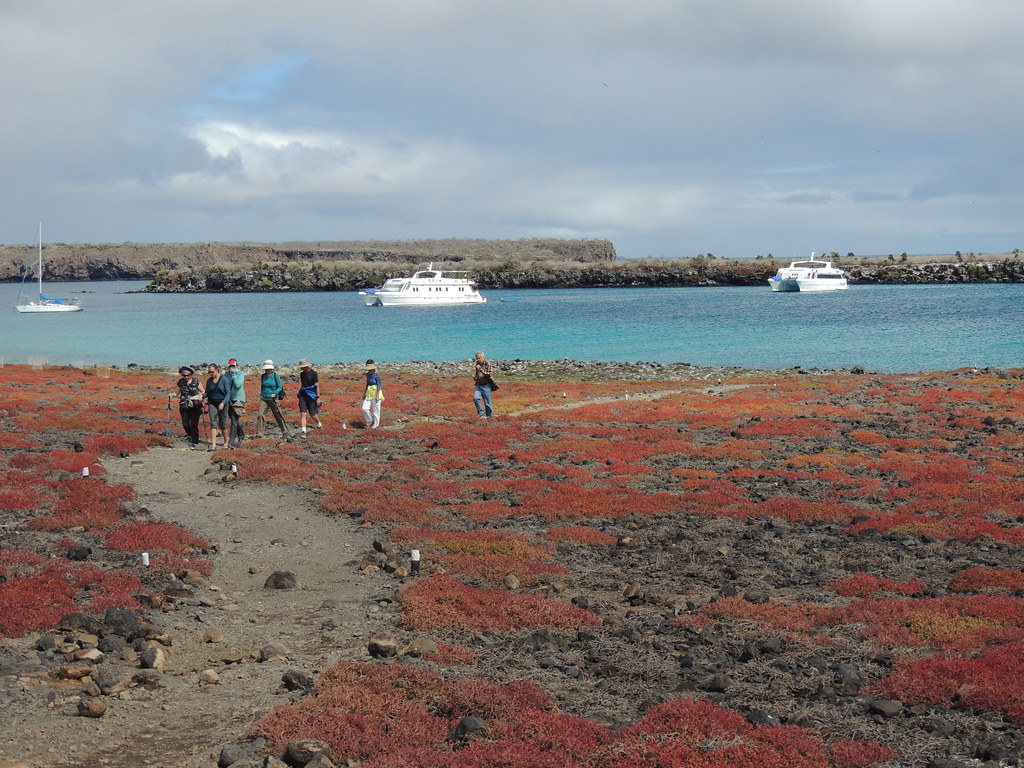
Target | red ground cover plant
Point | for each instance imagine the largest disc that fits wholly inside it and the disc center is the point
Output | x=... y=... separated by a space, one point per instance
x=686 y=733
x=444 y=602
x=38 y=592
x=86 y=502
x=860 y=753
x=865 y=585
x=475 y=542
x=987 y=579
x=141 y=536
x=391 y=717
x=993 y=680
x=494 y=568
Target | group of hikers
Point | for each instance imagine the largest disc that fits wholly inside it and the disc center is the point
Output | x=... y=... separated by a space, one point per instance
x=222 y=397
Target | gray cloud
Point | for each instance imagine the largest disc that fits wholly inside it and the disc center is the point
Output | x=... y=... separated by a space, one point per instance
x=670 y=127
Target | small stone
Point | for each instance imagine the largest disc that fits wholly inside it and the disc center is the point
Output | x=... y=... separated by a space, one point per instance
x=111 y=683
x=92 y=655
x=299 y=752
x=274 y=651
x=209 y=676
x=718 y=683
x=297 y=680
x=75 y=671
x=90 y=706
x=631 y=591
x=886 y=707
x=468 y=729
x=511 y=581
x=760 y=717
x=281 y=580
x=382 y=645
x=153 y=658
x=231 y=754
x=420 y=646
x=213 y=635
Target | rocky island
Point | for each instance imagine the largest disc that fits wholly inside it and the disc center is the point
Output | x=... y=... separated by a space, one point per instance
x=494 y=264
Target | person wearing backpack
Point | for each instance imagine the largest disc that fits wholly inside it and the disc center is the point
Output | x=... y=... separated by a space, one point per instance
x=271 y=394
x=190 y=404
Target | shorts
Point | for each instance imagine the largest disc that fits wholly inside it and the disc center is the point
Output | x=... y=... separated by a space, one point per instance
x=308 y=405
x=218 y=417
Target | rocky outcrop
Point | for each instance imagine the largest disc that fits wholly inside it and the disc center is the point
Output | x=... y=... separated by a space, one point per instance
x=325 y=276
x=127 y=261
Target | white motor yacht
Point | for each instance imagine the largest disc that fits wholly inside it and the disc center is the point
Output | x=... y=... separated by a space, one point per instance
x=809 y=276
x=427 y=288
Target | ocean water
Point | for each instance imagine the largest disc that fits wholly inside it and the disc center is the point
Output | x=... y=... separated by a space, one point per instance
x=883 y=328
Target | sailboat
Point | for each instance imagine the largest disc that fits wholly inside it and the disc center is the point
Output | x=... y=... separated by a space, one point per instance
x=45 y=304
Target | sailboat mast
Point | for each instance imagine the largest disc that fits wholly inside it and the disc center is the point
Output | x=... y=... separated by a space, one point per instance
x=40 y=270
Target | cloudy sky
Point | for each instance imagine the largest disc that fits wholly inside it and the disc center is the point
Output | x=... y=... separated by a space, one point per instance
x=670 y=127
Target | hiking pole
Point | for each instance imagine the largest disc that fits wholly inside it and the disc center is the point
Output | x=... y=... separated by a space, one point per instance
x=167 y=420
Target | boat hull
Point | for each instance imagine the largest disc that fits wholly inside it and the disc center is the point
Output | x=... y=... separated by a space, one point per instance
x=806 y=286
x=48 y=308
x=383 y=299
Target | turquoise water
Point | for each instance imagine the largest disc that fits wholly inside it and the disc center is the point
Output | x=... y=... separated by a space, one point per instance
x=883 y=328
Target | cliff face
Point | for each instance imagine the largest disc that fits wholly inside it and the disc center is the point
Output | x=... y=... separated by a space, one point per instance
x=128 y=261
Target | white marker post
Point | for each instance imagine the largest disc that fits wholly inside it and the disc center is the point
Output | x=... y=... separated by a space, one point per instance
x=144 y=559
x=414 y=555
x=85 y=471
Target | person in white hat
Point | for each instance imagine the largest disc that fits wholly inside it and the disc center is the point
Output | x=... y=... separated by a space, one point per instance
x=271 y=394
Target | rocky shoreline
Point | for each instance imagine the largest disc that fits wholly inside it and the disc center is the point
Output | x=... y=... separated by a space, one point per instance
x=494 y=264
x=319 y=276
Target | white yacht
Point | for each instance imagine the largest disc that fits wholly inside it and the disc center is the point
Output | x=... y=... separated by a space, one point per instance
x=427 y=288
x=809 y=276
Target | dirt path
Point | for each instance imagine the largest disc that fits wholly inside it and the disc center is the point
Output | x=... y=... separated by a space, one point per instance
x=183 y=721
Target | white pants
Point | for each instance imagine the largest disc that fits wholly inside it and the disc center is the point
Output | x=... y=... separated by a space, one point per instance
x=371 y=413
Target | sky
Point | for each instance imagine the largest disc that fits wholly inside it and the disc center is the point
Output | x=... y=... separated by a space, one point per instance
x=670 y=127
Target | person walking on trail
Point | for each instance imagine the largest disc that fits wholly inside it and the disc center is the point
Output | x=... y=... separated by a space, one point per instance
x=190 y=404
x=271 y=393
x=236 y=402
x=373 y=396
x=217 y=395
x=309 y=395
x=483 y=381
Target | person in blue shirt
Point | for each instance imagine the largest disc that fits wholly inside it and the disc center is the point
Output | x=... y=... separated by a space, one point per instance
x=236 y=402
x=271 y=392
x=373 y=396
x=217 y=397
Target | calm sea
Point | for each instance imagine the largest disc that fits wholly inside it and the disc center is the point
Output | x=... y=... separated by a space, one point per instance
x=883 y=328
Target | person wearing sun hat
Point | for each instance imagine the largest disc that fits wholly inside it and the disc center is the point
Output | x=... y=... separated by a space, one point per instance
x=309 y=395
x=271 y=392
x=373 y=395
x=236 y=402
x=190 y=404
